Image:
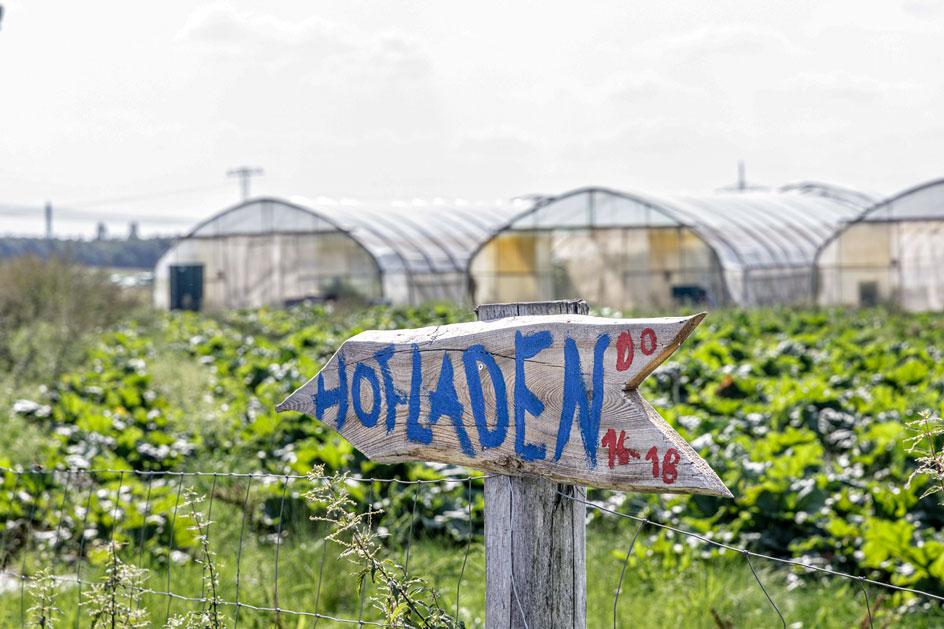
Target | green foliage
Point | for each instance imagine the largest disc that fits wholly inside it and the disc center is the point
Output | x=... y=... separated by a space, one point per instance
x=210 y=616
x=115 y=601
x=43 y=590
x=113 y=413
x=48 y=310
x=927 y=432
x=402 y=600
x=803 y=414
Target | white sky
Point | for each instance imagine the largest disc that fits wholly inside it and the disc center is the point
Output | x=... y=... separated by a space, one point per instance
x=482 y=100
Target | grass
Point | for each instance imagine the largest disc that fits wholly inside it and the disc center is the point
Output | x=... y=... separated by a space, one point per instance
x=722 y=592
x=711 y=593
x=22 y=439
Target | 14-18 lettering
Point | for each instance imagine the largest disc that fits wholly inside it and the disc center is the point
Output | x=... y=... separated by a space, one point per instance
x=617 y=453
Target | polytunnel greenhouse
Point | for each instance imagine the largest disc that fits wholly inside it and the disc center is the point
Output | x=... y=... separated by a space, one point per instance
x=893 y=254
x=272 y=252
x=630 y=251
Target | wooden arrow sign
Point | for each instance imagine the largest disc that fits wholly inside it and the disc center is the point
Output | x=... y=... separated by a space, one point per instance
x=553 y=396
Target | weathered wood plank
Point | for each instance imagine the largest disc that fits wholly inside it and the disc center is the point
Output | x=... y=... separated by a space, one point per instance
x=552 y=396
x=535 y=539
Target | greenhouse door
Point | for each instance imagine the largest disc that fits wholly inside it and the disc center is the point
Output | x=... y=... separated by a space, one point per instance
x=689 y=295
x=186 y=287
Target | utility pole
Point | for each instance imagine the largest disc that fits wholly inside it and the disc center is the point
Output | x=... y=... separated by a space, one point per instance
x=48 y=212
x=244 y=173
x=742 y=185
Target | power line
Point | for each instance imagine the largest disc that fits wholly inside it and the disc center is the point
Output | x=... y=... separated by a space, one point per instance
x=145 y=197
x=90 y=215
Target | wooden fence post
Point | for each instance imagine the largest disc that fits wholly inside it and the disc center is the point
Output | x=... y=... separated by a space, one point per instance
x=535 y=539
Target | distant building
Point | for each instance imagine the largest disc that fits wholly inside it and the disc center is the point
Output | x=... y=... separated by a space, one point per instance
x=892 y=254
x=642 y=251
x=272 y=252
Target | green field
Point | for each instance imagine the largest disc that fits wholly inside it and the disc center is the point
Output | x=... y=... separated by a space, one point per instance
x=802 y=413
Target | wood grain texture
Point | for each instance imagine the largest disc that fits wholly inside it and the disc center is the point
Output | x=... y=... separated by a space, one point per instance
x=535 y=538
x=534 y=395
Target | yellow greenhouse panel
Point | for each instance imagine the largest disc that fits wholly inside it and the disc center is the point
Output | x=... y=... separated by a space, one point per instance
x=524 y=287
x=866 y=244
x=636 y=250
x=516 y=252
x=695 y=252
x=665 y=245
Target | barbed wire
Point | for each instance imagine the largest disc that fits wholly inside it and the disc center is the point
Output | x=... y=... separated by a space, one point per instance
x=72 y=501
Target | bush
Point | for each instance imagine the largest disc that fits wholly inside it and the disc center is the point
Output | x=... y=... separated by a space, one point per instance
x=48 y=309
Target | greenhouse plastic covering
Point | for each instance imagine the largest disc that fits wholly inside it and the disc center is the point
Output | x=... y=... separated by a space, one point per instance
x=421 y=248
x=856 y=198
x=893 y=253
x=749 y=232
x=924 y=202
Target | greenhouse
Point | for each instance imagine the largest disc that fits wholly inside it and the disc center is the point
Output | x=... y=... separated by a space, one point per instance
x=272 y=252
x=641 y=251
x=893 y=254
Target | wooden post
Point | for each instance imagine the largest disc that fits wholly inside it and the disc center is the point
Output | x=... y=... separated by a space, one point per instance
x=535 y=539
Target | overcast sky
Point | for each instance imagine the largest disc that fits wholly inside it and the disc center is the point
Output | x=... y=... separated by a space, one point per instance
x=109 y=106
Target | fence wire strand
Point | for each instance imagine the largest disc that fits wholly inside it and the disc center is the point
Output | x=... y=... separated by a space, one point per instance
x=209 y=523
x=629 y=552
x=764 y=590
x=170 y=546
x=78 y=563
x=511 y=543
x=147 y=513
x=278 y=547
x=167 y=488
x=468 y=546
x=7 y=527
x=26 y=544
x=409 y=539
x=239 y=552
x=868 y=605
x=780 y=560
x=363 y=583
x=324 y=555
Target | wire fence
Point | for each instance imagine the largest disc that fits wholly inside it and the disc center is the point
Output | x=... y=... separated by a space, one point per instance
x=64 y=518
x=280 y=564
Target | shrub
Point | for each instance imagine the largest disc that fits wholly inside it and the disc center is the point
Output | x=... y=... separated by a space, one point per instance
x=48 y=309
